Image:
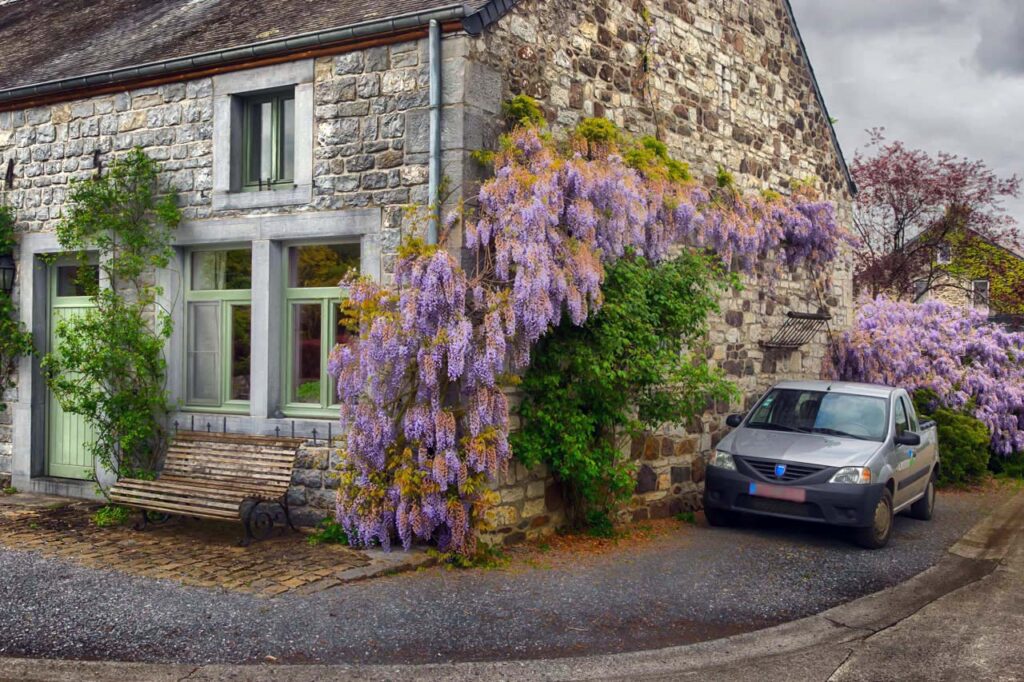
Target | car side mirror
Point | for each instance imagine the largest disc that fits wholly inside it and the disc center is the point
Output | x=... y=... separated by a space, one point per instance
x=734 y=420
x=908 y=438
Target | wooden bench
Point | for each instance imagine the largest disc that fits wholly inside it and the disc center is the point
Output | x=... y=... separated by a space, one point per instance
x=218 y=476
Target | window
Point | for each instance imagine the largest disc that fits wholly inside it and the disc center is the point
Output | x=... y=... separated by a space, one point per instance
x=902 y=423
x=313 y=328
x=920 y=288
x=74 y=281
x=914 y=425
x=943 y=255
x=979 y=292
x=218 y=328
x=268 y=157
x=807 y=411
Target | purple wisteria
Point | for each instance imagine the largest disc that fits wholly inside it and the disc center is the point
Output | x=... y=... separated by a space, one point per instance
x=968 y=363
x=421 y=388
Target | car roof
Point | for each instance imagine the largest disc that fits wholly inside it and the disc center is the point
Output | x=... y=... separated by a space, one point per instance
x=839 y=387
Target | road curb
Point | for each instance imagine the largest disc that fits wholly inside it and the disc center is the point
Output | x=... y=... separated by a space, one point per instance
x=833 y=633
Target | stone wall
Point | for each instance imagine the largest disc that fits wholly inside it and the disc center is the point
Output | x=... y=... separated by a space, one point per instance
x=726 y=85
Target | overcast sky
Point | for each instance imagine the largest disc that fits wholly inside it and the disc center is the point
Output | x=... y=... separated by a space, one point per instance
x=938 y=74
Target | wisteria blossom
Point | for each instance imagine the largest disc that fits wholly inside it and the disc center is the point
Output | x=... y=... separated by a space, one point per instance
x=968 y=363
x=421 y=388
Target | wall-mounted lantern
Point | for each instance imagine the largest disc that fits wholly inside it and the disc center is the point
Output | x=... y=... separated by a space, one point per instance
x=7 y=271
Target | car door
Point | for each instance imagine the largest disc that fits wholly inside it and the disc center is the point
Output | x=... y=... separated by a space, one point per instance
x=921 y=457
x=903 y=455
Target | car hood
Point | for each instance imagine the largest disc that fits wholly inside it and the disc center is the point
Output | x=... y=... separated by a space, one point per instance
x=809 y=448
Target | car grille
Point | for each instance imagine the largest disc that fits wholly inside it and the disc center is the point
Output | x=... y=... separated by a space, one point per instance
x=794 y=472
x=785 y=507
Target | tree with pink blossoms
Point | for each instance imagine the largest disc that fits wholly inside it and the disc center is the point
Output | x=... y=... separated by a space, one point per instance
x=953 y=352
x=422 y=388
x=909 y=202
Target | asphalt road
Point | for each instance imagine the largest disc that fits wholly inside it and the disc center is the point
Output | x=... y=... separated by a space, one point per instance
x=692 y=585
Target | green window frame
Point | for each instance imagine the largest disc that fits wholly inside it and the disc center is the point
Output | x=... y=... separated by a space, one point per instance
x=308 y=341
x=268 y=140
x=218 y=329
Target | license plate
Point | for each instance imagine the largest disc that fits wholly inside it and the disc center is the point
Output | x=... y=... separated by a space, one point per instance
x=778 y=492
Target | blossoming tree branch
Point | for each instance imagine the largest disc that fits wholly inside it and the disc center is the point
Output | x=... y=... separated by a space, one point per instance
x=422 y=387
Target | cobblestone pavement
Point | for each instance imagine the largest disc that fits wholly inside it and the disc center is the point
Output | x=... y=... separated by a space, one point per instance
x=191 y=552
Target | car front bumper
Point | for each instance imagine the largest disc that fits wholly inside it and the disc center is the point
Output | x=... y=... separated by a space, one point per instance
x=840 y=504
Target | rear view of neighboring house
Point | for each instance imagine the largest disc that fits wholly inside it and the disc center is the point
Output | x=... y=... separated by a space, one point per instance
x=972 y=271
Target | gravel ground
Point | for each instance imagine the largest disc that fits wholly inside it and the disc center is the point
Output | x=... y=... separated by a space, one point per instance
x=691 y=584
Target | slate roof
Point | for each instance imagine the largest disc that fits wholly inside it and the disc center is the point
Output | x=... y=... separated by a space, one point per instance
x=79 y=37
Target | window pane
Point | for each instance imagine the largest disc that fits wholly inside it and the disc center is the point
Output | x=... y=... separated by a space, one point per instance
x=306 y=320
x=322 y=265
x=221 y=270
x=287 y=133
x=241 y=351
x=72 y=280
x=254 y=141
x=266 y=156
x=203 y=352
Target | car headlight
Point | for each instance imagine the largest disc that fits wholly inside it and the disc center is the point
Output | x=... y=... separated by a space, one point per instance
x=855 y=475
x=722 y=460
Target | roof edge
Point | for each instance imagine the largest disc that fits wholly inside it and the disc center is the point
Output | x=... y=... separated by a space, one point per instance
x=821 y=99
x=488 y=14
x=258 y=50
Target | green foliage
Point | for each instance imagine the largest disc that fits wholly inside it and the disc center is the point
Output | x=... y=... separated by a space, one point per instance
x=963 y=441
x=111 y=515
x=975 y=258
x=523 y=110
x=108 y=364
x=10 y=490
x=1008 y=467
x=686 y=517
x=724 y=179
x=632 y=367
x=15 y=342
x=486 y=557
x=650 y=156
x=328 y=532
x=597 y=130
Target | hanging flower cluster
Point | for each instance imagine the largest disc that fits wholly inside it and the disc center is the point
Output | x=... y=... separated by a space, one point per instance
x=421 y=387
x=967 y=362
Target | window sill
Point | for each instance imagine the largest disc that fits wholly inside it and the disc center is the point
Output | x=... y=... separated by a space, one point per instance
x=293 y=196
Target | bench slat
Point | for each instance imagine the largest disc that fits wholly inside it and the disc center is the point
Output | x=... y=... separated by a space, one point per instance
x=170 y=508
x=177 y=497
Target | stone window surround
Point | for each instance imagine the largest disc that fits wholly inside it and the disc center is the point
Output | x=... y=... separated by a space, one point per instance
x=227 y=135
x=268 y=236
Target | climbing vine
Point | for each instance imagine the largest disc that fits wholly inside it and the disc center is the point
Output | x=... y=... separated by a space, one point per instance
x=975 y=258
x=15 y=342
x=422 y=388
x=108 y=364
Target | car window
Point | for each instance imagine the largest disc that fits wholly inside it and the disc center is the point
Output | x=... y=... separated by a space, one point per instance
x=914 y=426
x=806 y=411
x=901 y=417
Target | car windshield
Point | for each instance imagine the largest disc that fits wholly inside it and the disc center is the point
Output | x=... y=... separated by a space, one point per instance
x=835 y=414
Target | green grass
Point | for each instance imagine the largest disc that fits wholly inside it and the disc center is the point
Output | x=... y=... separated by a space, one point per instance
x=328 y=532
x=686 y=517
x=111 y=515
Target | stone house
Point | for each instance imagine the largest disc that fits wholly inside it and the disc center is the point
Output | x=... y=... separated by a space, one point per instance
x=969 y=270
x=297 y=132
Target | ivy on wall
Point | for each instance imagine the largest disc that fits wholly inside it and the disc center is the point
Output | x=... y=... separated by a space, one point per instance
x=975 y=258
x=108 y=364
x=15 y=342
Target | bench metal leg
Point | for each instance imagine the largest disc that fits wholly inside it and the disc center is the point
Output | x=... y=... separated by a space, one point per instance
x=147 y=517
x=287 y=512
x=258 y=522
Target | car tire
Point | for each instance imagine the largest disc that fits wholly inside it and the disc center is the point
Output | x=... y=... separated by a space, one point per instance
x=878 y=533
x=925 y=507
x=719 y=518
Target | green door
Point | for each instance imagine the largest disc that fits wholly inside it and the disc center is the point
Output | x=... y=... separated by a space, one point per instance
x=67 y=435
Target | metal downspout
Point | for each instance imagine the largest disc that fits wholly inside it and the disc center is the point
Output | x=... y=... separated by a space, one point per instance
x=435 y=131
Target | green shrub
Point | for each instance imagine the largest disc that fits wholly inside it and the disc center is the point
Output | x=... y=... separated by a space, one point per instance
x=111 y=515
x=328 y=532
x=1011 y=466
x=963 y=442
x=523 y=110
x=634 y=366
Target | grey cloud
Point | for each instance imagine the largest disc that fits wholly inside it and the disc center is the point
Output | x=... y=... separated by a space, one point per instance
x=1001 y=43
x=851 y=19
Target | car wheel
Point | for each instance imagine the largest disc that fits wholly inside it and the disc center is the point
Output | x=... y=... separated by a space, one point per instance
x=719 y=517
x=878 y=533
x=925 y=507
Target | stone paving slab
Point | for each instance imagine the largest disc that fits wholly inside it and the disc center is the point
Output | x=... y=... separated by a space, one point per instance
x=198 y=553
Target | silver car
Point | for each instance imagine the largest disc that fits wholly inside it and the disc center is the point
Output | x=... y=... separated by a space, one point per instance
x=839 y=453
